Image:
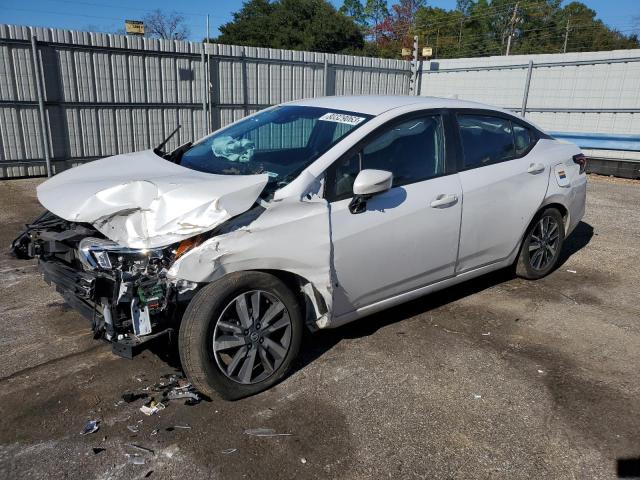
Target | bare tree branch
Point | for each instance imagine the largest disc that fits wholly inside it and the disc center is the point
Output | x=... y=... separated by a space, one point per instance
x=170 y=26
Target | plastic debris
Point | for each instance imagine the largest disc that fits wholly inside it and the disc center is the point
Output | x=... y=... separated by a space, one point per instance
x=572 y=271
x=265 y=432
x=303 y=460
x=180 y=394
x=476 y=396
x=142 y=449
x=97 y=450
x=154 y=431
x=229 y=450
x=135 y=458
x=486 y=334
x=540 y=371
x=132 y=428
x=152 y=407
x=90 y=427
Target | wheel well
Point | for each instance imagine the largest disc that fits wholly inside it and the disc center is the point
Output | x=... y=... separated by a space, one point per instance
x=561 y=208
x=296 y=284
x=558 y=206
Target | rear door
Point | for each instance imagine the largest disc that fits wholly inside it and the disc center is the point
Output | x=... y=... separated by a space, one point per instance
x=503 y=183
x=408 y=236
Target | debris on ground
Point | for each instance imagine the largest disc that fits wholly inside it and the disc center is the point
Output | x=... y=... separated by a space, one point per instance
x=173 y=386
x=476 y=396
x=229 y=450
x=135 y=458
x=142 y=449
x=90 y=427
x=265 y=432
x=303 y=460
x=486 y=334
x=132 y=428
x=184 y=393
x=540 y=371
x=97 y=450
x=572 y=271
x=152 y=407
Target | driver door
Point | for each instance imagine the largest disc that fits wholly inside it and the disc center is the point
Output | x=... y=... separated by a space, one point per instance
x=407 y=237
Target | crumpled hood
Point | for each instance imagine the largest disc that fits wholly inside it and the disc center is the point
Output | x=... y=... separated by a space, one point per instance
x=140 y=200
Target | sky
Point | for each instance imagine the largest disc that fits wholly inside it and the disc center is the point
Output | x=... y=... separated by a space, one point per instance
x=109 y=15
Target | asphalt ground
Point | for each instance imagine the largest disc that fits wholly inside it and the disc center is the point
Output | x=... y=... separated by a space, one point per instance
x=495 y=378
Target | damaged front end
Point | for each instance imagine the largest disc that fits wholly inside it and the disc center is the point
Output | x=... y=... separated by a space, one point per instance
x=124 y=292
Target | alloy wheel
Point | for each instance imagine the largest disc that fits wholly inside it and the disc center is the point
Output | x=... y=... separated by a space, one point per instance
x=544 y=242
x=252 y=337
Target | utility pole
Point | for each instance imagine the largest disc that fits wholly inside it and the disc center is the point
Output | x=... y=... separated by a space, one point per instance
x=414 y=67
x=566 y=35
x=460 y=36
x=437 y=41
x=512 y=27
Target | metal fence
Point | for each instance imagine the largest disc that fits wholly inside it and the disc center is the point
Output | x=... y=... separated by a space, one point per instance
x=95 y=95
x=591 y=98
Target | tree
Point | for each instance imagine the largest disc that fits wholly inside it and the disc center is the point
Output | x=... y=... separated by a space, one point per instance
x=375 y=12
x=481 y=28
x=354 y=10
x=292 y=24
x=170 y=26
x=397 y=29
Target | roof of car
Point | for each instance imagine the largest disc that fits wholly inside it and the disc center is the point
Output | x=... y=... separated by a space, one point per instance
x=377 y=104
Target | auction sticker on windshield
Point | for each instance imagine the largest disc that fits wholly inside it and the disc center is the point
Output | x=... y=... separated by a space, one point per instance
x=341 y=118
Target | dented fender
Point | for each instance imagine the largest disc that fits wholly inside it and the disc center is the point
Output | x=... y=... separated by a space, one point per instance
x=290 y=235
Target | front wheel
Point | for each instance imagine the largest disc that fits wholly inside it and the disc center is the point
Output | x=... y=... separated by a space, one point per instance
x=240 y=334
x=541 y=245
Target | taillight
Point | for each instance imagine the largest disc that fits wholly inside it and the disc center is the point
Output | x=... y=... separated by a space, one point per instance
x=581 y=160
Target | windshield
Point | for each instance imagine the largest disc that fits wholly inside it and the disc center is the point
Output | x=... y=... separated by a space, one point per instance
x=280 y=142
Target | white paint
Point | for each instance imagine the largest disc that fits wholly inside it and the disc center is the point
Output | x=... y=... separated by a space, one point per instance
x=407 y=243
x=140 y=200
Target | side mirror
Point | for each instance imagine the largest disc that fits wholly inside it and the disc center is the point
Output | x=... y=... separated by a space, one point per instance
x=368 y=183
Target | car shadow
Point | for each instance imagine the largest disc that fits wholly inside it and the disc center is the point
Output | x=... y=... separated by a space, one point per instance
x=579 y=238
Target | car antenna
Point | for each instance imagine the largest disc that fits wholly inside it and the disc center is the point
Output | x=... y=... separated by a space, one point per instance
x=159 y=147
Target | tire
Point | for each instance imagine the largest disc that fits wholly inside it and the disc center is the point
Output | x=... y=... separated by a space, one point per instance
x=534 y=263
x=220 y=317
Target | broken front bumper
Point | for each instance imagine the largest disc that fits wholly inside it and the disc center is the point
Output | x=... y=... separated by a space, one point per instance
x=95 y=296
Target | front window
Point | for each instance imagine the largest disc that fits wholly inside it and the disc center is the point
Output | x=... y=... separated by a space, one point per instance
x=413 y=150
x=280 y=142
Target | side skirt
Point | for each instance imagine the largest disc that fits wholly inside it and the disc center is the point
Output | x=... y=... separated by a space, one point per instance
x=413 y=294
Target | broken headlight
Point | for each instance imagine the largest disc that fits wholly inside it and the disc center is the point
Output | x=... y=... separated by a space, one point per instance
x=102 y=254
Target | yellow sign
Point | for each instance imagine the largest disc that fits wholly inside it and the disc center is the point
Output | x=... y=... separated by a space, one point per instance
x=134 y=27
x=427 y=51
x=406 y=52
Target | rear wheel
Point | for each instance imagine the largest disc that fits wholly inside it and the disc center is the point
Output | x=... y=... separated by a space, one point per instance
x=541 y=245
x=240 y=334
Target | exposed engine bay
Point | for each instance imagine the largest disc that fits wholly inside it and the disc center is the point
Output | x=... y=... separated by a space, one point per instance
x=124 y=292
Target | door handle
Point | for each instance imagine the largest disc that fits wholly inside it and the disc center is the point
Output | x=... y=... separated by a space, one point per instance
x=444 y=200
x=535 y=168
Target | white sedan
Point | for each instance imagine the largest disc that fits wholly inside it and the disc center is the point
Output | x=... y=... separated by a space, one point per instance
x=310 y=214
